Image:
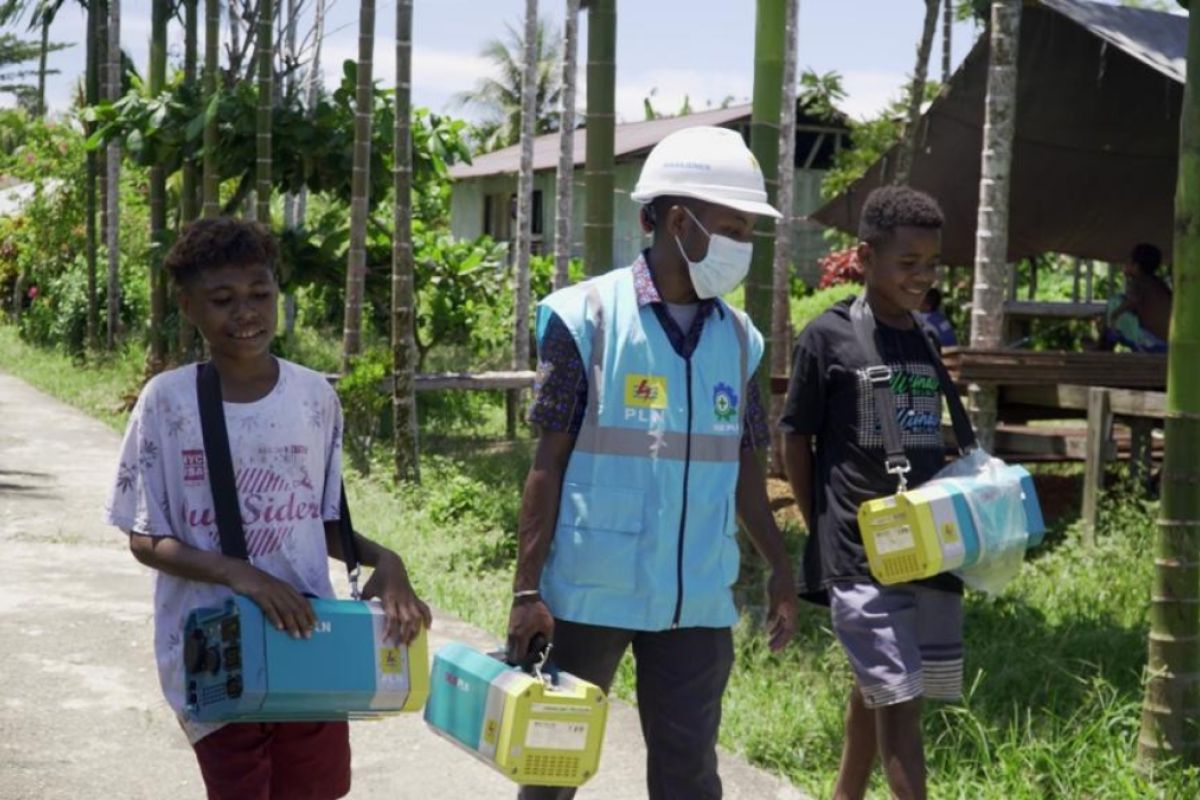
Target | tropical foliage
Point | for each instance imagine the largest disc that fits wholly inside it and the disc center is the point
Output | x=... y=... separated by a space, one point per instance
x=498 y=96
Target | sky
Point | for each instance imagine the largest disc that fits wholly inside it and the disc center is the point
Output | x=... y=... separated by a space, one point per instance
x=702 y=49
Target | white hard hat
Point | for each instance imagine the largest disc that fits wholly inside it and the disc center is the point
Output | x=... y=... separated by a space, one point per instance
x=705 y=163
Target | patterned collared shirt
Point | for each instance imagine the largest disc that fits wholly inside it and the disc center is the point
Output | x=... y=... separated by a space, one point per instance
x=561 y=391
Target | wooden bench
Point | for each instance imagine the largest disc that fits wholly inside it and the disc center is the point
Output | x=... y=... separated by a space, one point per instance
x=1142 y=410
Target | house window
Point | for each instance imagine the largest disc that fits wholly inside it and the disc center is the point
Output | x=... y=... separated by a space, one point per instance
x=500 y=215
x=497 y=218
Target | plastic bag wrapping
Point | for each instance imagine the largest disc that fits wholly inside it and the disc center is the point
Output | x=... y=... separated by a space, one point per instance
x=993 y=493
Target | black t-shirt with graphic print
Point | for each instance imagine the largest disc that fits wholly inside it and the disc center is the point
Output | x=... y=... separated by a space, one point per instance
x=829 y=399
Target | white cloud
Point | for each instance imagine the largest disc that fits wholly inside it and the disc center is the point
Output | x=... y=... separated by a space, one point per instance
x=436 y=73
x=703 y=89
x=868 y=93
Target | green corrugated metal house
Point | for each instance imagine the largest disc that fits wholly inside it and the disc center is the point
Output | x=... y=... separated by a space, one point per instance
x=484 y=193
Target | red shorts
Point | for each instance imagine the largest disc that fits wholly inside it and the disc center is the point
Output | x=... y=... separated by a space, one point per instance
x=274 y=761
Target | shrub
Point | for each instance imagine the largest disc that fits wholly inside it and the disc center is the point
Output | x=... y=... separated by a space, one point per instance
x=839 y=267
x=364 y=404
x=809 y=308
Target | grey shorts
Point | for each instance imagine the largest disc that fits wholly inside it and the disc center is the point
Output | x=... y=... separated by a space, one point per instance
x=903 y=641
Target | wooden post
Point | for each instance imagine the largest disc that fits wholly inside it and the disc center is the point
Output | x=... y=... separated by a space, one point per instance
x=1141 y=453
x=1099 y=419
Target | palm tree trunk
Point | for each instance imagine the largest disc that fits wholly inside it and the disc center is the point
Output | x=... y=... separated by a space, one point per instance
x=212 y=51
x=524 y=208
x=111 y=234
x=1171 y=709
x=189 y=207
x=360 y=184
x=314 y=83
x=947 y=38
x=43 y=52
x=991 y=236
x=566 y=158
x=916 y=94
x=289 y=41
x=235 y=39
x=769 y=35
x=157 y=353
x=601 y=117
x=266 y=91
x=404 y=312
x=781 y=323
x=102 y=78
x=93 y=98
x=290 y=199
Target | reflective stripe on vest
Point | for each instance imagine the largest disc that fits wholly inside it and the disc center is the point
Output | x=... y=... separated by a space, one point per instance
x=645 y=531
x=618 y=441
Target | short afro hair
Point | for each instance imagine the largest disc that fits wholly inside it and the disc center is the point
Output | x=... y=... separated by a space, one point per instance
x=1147 y=257
x=892 y=207
x=220 y=242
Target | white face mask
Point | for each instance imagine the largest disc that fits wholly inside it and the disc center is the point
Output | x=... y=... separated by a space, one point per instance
x=723 y=269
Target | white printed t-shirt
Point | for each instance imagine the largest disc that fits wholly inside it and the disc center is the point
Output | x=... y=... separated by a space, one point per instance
x=287 y=460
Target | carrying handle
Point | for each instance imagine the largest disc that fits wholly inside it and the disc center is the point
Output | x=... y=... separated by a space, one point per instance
x=536 y=661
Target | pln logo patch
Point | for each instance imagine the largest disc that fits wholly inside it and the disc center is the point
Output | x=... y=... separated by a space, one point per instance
x=646 y=391
x=391 y=661
x=725 y=403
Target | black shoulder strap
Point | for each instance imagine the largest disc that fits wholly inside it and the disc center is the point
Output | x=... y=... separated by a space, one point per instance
x=880 y=377
x=964 y=433
x=219 y=462
x=349 y=543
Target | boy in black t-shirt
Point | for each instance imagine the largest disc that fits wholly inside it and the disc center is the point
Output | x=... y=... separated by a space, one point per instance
x=904 y=642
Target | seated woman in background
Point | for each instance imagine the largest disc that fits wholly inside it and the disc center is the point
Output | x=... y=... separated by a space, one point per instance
x=1140 y=317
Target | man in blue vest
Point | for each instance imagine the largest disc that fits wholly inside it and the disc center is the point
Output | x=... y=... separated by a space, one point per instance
x=650 y=418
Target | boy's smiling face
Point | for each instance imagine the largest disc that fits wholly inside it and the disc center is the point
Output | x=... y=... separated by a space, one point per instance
x=235 y=308
x=901 y=269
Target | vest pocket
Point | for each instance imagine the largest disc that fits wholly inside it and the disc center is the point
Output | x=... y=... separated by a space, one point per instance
x=731 y=554
x=598 y=534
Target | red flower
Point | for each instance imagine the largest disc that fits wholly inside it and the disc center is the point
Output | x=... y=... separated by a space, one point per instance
x=840 y=267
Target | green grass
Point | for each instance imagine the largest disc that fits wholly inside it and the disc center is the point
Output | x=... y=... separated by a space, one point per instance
x=1053 y=670
x=1053 y=666
x=98 y=388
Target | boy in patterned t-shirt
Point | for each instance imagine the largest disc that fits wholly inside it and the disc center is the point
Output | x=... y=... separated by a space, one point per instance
x=904 y=642
x=285 y=438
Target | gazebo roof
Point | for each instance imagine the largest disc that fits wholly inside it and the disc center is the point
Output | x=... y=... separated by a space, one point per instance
x=1100 y=89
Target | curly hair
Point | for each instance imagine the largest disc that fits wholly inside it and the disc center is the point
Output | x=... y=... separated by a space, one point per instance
x=220 y=242
x=892 y=207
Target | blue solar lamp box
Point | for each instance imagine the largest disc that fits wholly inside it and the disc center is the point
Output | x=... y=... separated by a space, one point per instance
x=240 y=668
x=1033 y=509
x=535 y=730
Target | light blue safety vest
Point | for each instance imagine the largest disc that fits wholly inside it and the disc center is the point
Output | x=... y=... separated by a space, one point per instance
x=646 y=522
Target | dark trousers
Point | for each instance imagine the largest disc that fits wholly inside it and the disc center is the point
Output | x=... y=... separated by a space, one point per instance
x=681 y=675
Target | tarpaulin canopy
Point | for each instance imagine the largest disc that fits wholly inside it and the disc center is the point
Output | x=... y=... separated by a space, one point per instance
x=1099 y=93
